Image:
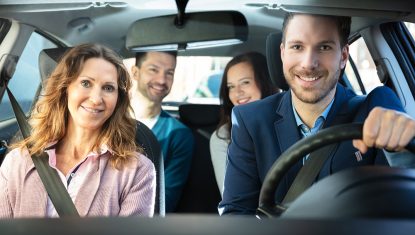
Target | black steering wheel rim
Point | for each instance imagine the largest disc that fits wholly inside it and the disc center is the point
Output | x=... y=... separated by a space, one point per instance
x=296 y=152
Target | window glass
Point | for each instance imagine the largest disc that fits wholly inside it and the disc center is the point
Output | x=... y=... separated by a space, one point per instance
x=196 y=79
x=411 y=28
x=26 y=79
x=365 y=67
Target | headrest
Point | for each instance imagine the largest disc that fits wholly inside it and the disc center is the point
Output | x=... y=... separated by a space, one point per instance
x=48 y=59
x=274 y=61
x=199 y=114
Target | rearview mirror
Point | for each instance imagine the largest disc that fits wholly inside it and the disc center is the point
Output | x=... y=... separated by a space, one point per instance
x=199 y=30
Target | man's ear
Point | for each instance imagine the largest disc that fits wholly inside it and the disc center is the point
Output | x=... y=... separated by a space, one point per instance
x=344 y=56
x=134 y=72
x=282 y=50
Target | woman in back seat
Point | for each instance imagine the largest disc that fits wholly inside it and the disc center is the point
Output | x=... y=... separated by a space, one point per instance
x=244 y=80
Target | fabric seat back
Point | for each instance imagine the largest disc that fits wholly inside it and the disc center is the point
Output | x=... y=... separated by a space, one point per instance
x=201 y=193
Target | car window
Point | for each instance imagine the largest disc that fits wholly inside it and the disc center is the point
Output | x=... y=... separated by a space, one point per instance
x=411 y=28
x=196 y=79
x=26 y=79
x=365 y=66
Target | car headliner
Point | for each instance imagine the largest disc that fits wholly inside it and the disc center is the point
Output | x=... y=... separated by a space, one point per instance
x=78 y=21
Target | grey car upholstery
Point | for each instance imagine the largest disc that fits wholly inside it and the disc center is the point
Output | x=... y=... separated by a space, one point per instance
x=201 y=193
x=274 y=62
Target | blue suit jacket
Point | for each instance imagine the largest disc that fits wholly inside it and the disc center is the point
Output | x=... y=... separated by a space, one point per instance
x=262 y=130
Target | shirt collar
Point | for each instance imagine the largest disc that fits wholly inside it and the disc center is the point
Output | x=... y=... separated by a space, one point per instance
x=321 y=118
x=102 y=150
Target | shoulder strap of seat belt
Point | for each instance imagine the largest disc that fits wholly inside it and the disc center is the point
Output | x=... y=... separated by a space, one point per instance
x=308 y=173
x=50 y=178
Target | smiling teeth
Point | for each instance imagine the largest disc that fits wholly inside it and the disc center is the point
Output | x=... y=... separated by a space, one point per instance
x=159 y=88
x=309 y=79
x=92 y=110
x=243 y=101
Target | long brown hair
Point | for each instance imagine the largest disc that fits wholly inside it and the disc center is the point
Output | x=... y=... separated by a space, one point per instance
x=262 y=79
x=49 y=118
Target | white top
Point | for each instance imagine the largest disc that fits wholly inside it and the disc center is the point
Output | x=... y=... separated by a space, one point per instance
x=218 y=153
x=149 y=122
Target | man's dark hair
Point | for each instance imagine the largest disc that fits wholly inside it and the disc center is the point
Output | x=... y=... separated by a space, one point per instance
x=343 y=26
x=140 y=56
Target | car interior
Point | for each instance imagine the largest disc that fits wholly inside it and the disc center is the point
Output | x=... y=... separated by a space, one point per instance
x=34 y=34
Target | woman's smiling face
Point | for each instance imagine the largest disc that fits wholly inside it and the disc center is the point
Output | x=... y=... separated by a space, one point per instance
x=241 y=84
x=92 y=97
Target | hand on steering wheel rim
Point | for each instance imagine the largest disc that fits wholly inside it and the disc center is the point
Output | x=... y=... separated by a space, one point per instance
x=296 y=152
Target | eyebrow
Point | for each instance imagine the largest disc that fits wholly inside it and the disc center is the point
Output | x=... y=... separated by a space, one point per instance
x=243 y=78
x=153 y=65
x=322 y=42
x=159 y=67
x=86 y=76
x=294 y=42
x=93 y=79
x=328 y=42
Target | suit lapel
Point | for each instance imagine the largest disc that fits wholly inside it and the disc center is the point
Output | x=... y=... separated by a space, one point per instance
x=338 y=113
x=285 y=125
x=287 y=133
x=286 y=128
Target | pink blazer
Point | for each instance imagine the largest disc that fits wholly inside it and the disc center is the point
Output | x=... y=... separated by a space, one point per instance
x=105 y=192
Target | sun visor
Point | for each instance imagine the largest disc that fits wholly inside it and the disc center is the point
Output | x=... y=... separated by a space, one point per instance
x=199 y=30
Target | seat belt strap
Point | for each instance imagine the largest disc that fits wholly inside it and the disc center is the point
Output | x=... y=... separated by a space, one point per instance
x=54 y=187
x=308 y=173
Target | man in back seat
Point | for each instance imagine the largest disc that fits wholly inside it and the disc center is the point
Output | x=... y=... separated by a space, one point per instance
x=154 y=73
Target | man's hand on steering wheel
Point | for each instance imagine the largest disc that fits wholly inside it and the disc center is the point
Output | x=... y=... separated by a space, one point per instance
x=385 y=128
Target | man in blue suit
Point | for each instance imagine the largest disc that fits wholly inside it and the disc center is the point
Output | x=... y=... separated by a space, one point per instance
x=314 y=51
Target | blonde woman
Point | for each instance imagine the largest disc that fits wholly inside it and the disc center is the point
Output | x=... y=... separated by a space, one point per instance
x=82 y=121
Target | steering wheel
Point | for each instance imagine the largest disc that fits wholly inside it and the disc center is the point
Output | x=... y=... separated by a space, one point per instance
x=296 y=152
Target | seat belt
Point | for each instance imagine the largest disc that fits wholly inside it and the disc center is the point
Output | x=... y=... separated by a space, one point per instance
x=308 y=173
x=54 y=187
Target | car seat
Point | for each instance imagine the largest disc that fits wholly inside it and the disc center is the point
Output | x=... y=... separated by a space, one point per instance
x=274 y=61
x=200 y=193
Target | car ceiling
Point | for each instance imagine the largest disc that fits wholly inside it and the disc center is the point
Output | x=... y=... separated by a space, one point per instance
x=78 y=21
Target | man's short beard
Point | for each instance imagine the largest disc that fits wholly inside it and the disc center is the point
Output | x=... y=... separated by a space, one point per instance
x=318 y=96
